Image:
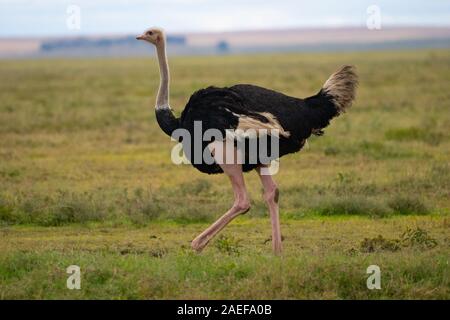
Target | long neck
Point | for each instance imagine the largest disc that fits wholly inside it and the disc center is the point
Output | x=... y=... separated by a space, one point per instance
x=164 y=115
x=162 y=100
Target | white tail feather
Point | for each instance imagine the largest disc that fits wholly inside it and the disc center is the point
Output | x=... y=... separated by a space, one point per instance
x=341 y=86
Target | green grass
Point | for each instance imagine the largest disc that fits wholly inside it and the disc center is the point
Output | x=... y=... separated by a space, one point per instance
x=86 y=178
x=323 y=258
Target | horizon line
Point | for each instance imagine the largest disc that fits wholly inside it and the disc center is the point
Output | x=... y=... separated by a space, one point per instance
x=247 y=30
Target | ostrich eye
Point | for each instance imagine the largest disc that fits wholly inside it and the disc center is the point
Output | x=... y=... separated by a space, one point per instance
x=150 y=33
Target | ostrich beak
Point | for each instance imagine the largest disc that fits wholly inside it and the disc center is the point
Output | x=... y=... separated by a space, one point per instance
x=141 y=37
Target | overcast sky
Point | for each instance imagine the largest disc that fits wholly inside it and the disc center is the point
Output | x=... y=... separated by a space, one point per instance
x=49 y=17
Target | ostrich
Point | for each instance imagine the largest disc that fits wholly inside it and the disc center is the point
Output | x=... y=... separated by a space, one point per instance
x=246 y=106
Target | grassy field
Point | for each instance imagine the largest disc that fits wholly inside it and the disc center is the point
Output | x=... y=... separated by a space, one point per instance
x=86 y=179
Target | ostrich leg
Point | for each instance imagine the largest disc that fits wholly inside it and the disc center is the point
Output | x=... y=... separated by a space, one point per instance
x=241 y=205
x=271 y=194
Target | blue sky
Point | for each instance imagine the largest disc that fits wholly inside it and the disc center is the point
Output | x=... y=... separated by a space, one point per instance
x=48 y=17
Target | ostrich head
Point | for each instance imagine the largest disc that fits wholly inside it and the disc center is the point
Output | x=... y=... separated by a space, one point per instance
x=152 y=35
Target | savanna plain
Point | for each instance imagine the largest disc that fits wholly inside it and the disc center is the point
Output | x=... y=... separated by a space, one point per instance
x=86 y=179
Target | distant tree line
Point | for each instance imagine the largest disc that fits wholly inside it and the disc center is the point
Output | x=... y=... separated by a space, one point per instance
x=84 y=42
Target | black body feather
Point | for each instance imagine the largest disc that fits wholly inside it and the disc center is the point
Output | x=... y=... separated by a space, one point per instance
x=221 y=108
x=167 y=120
